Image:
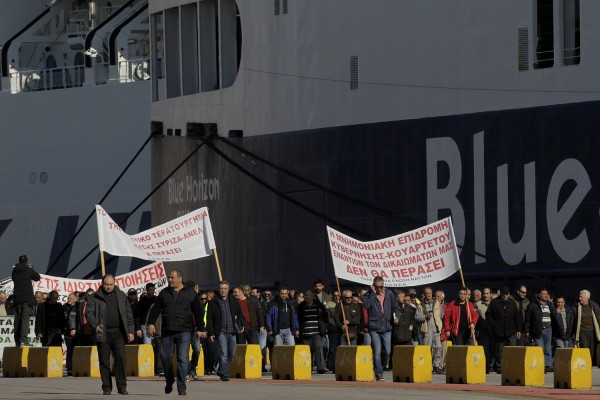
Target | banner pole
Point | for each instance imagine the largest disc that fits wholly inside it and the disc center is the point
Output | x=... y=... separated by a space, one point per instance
x=102 y=263
x=218 y=265
x=342 y=307
x=462 y=278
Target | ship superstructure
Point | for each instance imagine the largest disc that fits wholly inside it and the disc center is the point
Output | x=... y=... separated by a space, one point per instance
x=74 y=103
x=377 y=118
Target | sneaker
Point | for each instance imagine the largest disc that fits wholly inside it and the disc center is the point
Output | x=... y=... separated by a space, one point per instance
x=379 y=378
x=194 y=376
x=224 y=378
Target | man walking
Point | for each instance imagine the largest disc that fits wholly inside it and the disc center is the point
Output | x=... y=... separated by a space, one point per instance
x=381 y=305
x=282 y=321
x=504 y=320
x=110 y=317
x=522 y=304
x=432 y=327
x=312 y=317
x=180 y=309
x=483 y=328
x=586 y=320
x=22 y=275
x=224 y=323
x=538 y=325
x=562 y=323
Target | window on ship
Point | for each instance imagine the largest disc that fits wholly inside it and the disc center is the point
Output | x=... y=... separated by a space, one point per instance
x=571 y=44
x=545 y=34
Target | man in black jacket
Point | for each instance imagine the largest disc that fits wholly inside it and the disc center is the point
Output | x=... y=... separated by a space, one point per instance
x=110 y=317
x=224 y=322
x=504 y=319
x=538 y=325
x=22 y=275
x=253 y=317
x=181 y=312
x=354 y=321
x=50 y=321
x=312 y=317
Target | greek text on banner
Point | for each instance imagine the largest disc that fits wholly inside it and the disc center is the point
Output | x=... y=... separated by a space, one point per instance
x=418 y=257
x=185 y=238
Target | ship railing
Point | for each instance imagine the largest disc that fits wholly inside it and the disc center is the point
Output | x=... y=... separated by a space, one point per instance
x=571 y=56
x=134 y=70
x=101 y=73
x=47 y=79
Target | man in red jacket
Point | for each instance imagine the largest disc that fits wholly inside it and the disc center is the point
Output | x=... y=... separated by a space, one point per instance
x=460 y=319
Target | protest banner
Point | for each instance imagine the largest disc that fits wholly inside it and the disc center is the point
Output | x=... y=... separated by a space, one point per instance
x=419 y=257
x=185 y=238
x=137 y=279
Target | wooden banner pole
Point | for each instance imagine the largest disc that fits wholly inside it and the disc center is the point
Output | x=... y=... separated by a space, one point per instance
x=342 y=306
x=462 y=278
x=102 y=263
x=218 y=265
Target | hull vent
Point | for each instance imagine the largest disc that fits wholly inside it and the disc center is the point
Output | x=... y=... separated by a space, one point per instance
x=354 y=73
x=277 y=7
x=523 y=49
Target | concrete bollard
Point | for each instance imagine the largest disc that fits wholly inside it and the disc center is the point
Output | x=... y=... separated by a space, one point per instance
x=14 y=362
x=412 y=364
x=465 y=364
x=85 y=362
x=46 y=362
x=573 y=369
x=354 y=363
x=247 y=362
x=291 y=362
x=523 y=365
x=139 y=360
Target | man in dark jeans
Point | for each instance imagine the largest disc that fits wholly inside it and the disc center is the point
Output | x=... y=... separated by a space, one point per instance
x=110 y=317
x=181 y=311
x=22 y=275
x=312 y=317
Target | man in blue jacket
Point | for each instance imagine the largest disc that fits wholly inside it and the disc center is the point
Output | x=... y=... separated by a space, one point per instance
x=381 y=305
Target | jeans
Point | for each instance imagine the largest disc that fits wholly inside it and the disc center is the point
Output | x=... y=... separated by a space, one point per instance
x=145 y=339
x=562 y=343
x=545 y=341
x=334 y=341
x=285 y=336
x=22 y=313
x=227 y=344
x=182 y=341
x=377 y=338
x=262 y=339
x=195 y=353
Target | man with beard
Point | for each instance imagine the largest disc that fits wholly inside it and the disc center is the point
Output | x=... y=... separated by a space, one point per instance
x=504 y=319
x=319 y=292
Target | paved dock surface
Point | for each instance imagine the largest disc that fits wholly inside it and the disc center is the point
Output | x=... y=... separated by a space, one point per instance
x=320 y=387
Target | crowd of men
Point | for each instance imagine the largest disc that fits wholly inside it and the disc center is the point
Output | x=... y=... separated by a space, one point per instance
x=182 y=315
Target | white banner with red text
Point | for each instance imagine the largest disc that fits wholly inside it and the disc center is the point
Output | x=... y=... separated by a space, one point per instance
x=414 y=258
x=137 y=279
x=185 y=238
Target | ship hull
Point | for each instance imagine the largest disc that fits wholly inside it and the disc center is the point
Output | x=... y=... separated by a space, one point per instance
x=519 y=185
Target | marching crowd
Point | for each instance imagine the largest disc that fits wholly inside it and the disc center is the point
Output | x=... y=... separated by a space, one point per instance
x=217 y=320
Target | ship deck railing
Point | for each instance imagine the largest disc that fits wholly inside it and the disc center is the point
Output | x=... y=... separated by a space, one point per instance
x=47 y=79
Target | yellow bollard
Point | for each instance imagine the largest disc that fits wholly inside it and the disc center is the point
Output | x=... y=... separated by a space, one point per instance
x=85 y=362
x=412 y=364
x=14 y=362
x=139 y=360
x=523 y=365
x=465 y=364
x=45 y=362
x=247 y=362
x=354 y=363
x=291 y=362
x=573 y=369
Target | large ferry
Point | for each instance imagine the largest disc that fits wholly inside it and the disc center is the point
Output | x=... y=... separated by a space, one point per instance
x=376 y=117
x=74 y=106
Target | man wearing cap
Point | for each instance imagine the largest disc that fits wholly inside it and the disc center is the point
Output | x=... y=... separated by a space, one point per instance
x=504 y=318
